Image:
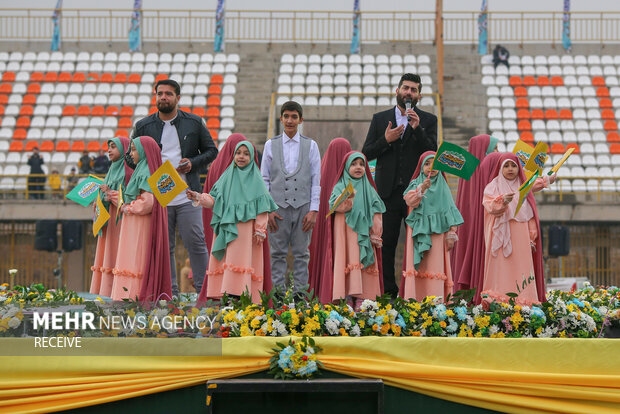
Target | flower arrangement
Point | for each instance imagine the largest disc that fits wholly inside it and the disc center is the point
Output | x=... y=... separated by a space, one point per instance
x=37 y=294
x=295 y=360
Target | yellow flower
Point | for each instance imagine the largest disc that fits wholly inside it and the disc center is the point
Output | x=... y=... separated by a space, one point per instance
x=361 y=323
x=396 y=329
x=498 y=335
x=482 y=321
x=415 y=333
x=384 y=329
x=375 y=327
x=343 y=332
x=449 y=312
x=516 y=319
x=442 y=324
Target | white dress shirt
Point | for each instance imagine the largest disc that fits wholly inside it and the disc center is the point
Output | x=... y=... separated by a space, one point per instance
x=400 y=119
x=171 y=150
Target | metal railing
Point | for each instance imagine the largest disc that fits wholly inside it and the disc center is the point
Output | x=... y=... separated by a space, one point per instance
x=308 y=26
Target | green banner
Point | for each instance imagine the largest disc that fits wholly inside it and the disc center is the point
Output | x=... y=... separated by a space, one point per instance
x=455 y=160
x=86 y=191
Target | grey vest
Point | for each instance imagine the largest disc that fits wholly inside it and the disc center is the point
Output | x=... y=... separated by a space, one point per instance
x=290 y=188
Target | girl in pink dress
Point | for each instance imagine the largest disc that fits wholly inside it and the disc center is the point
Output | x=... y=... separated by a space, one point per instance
x=143 y=261
x=107 y=244
x=513 y=250
x=357 y=225
x=240 y=203
x=431 y=233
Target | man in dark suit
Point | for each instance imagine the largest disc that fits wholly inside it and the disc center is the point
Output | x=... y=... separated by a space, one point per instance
x=396 y=138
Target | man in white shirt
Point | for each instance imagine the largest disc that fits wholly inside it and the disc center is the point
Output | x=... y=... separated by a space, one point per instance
x=291 y=169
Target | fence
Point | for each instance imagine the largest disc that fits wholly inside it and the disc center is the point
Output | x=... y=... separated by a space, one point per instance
x=308 y=26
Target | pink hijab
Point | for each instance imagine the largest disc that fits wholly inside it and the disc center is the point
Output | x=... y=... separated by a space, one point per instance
x=527 y=210
x=223 y=160
x=321 y=264
x=156 y=283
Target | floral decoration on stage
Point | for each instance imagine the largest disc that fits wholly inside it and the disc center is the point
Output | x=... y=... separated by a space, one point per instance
x=295 y=360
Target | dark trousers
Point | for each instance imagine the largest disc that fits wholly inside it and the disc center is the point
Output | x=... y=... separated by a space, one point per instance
x=395 y=213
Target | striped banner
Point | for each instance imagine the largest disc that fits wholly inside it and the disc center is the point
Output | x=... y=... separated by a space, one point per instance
x=218 y=43
x=135 y=39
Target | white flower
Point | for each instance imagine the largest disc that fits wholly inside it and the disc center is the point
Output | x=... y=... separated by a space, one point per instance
x=160 y=313
x=493 y=329
x=10 y=312
x=355 y=331
x=346 y=323
x=280 y=328
x=14 y=322
x=476 y=310
x=12 y=271
x=369 y=306
x=162 y=302
x=332 y=326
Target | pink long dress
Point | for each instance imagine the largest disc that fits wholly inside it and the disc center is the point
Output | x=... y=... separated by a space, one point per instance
x=107 y=248
x=434 y=274
x=132 y=247
x=350 y=277
x=515 y=273
x=241 y=268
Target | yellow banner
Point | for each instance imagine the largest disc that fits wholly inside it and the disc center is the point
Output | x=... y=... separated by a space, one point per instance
x=525 y=189
x=523 y=150
x=166 y=183
x=558 y=164
x=346 y=193
x=537 y=159
x=100 y=217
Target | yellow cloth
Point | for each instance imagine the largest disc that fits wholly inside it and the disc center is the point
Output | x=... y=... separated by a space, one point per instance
x=55 y=182
x=510 y=375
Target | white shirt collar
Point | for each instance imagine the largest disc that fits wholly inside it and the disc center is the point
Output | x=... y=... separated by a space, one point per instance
x=295 y=138
x=399 y=115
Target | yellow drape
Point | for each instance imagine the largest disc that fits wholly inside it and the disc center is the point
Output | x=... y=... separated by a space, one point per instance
x=511 y=375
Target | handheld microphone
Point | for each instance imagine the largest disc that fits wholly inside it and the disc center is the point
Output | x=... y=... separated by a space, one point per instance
x=407 y=107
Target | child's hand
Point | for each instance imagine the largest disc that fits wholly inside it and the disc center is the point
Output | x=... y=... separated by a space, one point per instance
x=347 y=204
x=508 y=198
x=426 y=184
x=259 y=237
x=449 y=243
x=192 y=195
x=376 y=241
x=552 y=178
x=104 y=188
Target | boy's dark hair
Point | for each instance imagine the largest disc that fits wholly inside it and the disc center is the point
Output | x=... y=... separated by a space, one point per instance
x=292 y=106
x=171 y=82
x=411 y=77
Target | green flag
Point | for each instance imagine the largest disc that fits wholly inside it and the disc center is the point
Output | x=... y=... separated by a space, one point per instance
x=86 y=191
x=455 y=160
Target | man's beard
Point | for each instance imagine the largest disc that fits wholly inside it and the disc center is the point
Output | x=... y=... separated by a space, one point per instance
x=165 y=108
x=401 y=101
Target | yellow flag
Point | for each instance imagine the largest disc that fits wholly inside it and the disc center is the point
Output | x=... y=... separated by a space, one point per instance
x=100 y=217
x=536 y=162
x=525 y=189
x=558 y=164
x=346 y=193
x=166 y=183
x=120 y=202
x=523 y=150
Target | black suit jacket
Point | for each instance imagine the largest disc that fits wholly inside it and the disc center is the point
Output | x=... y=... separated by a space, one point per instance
x=396 y=162
x=194 y=138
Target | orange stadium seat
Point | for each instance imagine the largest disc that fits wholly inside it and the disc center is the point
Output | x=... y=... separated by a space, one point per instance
x=1 y=112
x=8 y=76
x=557 y=81
x=125 y=123
x=522 y=103
x=23 y=122
x=152 y=110
x=62 y=146
x=213 y=133
x=213 y=112
x=515 y=81
x=47 y=146
x=538 y=113
x=605 y=103
x=215 y=90
x=199 y=111
x=217 y=79
x=50 y=77
x=64 y=77
x=34 y=88
x=6 y=88
x=598 y=81
x=93 y=146
x=36 y=77
x=79 y=77
x=566 y=114
x=524 y=125
x=111 y=111
x=126 y=111
x=607 y=114
x=153 y=100
x=613 y=136
x=92 y=77
x=121 y=133
x=160 y=76
x=106 y=78
x=29 y=99
x=574 y=145
x=602 y=92
x=19 y=133
x=4 y=99
x=542 y=81
x=69 y=110
x=529 y=81
x=527 y=136
x=213 y=101
x=83 y=110
x=551 y=114
x=557 y=148
x=98 y=110
x=134 y=78
x=213 y=123
x=120 y=78
x=30 y=145
x=610 y=126
x=77 y=146
x=26 y=110
x=16 y=146
x=104 y=146
x=613 y=148
x=520 y=91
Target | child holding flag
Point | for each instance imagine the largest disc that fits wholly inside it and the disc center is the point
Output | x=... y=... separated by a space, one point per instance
x=143 y=261
x=107 y=244
x=431 y=233
x=356 y=228
x=513 y=249
x=240 y=203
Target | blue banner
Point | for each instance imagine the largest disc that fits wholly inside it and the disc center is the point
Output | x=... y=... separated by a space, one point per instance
x=56 y=33
x=355 y=40
x=566 y=27
x=135 y=39
x=483 y=45
x=218 y=43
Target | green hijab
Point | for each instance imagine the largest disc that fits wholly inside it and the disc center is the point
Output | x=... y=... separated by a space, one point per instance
x=492 y=145
x=365 y=204
x=116 y=174
x=435 y=214
x=140 y=174
x=240 y=195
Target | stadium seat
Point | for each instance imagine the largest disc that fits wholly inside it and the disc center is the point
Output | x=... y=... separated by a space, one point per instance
x=16 y=146
x=613 y=136
x=93 y=146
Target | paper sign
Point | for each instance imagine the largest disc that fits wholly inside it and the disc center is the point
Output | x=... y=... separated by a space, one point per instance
x=557 y=165
x=536 y=161
x=523 y=150
x=525 y=189
x=455 y=160
x=100 y=217
x=166 y=183
x=86 y=191
x=346 y=193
